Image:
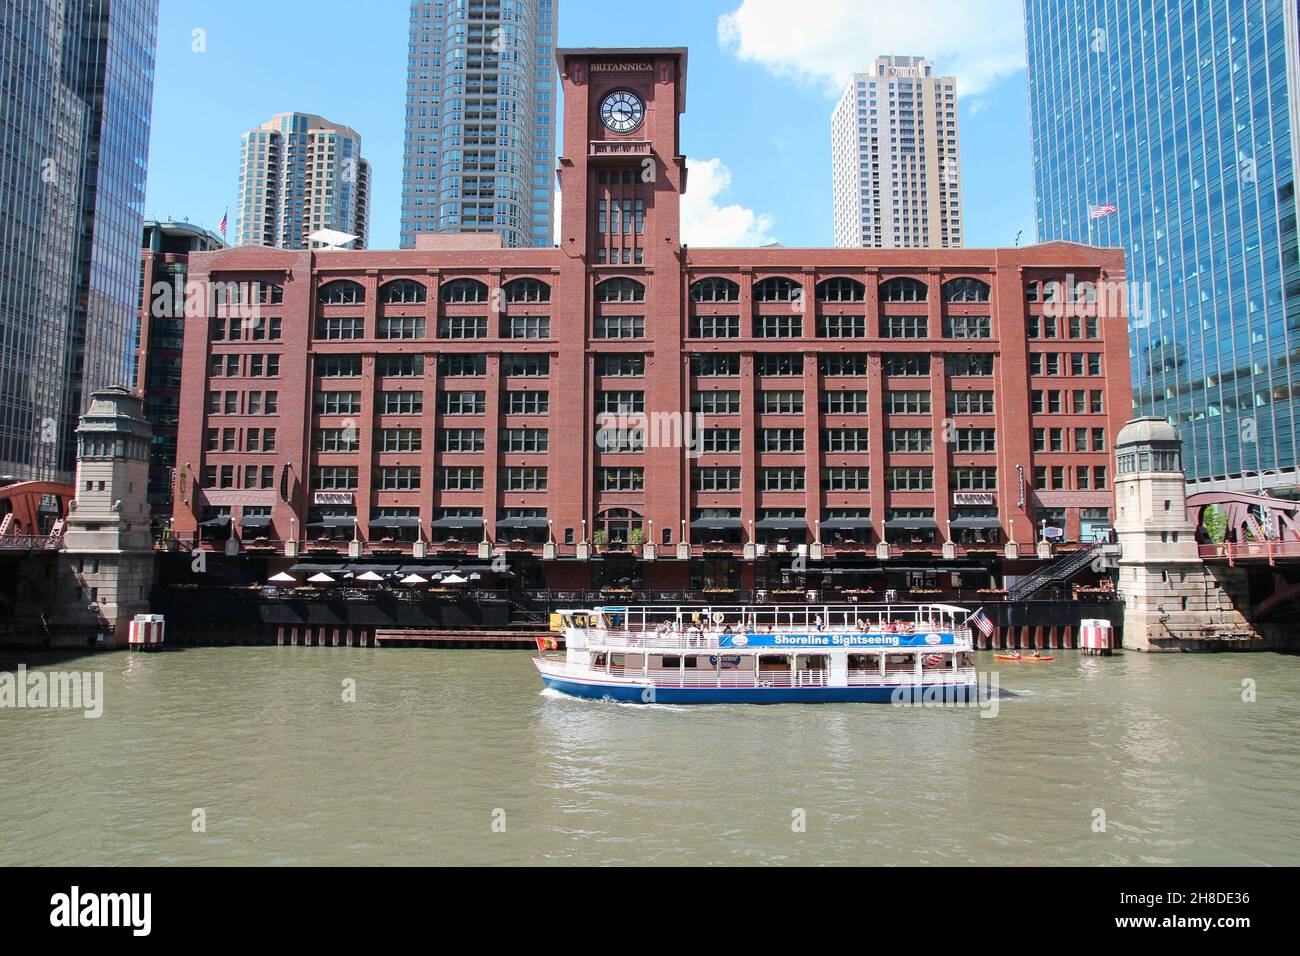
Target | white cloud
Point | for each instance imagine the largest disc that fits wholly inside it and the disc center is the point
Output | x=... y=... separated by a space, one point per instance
x=706 y=223
x=821 y=42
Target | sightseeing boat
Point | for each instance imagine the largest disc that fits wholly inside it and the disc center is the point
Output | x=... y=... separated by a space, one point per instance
x=762 y=655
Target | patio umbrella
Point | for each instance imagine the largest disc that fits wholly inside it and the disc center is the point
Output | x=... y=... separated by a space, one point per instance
x=321 y=578
x=414 y=579
x=282 y=578
x=453 y=578
x=370 y=576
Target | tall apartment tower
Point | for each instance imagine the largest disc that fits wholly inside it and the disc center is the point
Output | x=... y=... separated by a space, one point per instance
x=300 y=173
x=479 y=149
x=1178 y=142
x=76 y=80
x=895 y=163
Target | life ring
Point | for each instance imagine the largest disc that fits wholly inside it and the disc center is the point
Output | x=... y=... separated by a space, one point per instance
x=934 y=660
x=718 y=617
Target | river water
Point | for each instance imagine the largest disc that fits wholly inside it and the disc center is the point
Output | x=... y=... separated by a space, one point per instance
x=456 y=756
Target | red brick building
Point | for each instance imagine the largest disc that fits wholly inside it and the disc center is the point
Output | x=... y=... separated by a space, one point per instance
x=842 y=396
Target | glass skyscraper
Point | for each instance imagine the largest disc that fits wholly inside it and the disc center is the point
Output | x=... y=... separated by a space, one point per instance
x=76 y=86
x=479 y=149
x=1181 y=113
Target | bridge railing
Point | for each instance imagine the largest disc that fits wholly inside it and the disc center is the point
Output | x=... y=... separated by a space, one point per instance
x=1234 y=551
x=29 y=542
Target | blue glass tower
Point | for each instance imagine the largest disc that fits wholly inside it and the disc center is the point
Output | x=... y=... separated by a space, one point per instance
x=1181 y=114
x=76 y=84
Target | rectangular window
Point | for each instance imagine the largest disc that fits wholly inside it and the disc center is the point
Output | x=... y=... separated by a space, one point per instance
x=399 y=478
x=715 y=364
x=525 y=440
x=970 y=403
x=464 y=365
x=842 y=326
x=528 y=403
x=463 y=403
x=463 y=327
x=909 y=440
x=977 y=440
x=400 y=439
x=716 y=403
x=340 y=327
x=401 y=327
x=781 y=403
x=781 y=479
x=905 y=363
x=337 y=440
x=399 y=366
x=904 y=326
x=720 y=441
x=401 y=403
x=338 y=366
x=338 y=403
x=462 y=440
x=907 y=403
x=841 y=364
x=846 y=479
x=525 y=364
x=715 y=327
x=715 y=479
x=911 y=479
x=845 y=440
x=963 y=365
x=967 y=326
x=620 y=364
x=620 y=326
x=335 y=478
x=779 y=440
x=616 y=402
x=778 y=326
x=782 y=364
x=975 y=479
x=621 y=479
x=525 y=479
x=529 y=327
x=841 y=402
x=461 y=479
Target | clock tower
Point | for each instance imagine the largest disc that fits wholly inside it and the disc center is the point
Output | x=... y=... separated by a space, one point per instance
x=622 y=175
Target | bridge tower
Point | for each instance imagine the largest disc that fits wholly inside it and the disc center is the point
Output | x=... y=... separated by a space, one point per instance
x=1172 y=601
x=107 y=566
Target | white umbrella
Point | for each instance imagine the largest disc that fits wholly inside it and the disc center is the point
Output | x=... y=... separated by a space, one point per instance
x=414 y=579
x=321 y=578
x=370 y=576
x=282 y=578
x=453 y=578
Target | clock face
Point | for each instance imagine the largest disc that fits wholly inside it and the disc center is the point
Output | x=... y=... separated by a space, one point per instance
x=622 y=112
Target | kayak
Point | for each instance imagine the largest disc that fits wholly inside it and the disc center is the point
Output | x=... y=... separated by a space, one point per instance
x=1023 y=659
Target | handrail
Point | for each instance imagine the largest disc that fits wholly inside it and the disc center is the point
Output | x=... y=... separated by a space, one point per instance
x=1062 y=569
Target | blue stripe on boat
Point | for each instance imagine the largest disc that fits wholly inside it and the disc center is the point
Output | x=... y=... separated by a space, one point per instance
x=639 y=694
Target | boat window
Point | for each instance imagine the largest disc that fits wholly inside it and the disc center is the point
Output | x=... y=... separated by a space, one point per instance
x=692 y=662
x=672 y=662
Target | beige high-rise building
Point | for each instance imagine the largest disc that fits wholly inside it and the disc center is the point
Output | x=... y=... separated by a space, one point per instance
x=300 y=173
x=895 y=162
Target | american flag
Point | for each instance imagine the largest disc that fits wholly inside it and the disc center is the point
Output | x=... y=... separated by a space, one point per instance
x=1102 y=211
x=980 y=620
x=225 y=216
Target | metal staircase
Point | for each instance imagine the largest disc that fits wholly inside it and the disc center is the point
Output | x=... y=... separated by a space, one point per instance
x=1062 y=569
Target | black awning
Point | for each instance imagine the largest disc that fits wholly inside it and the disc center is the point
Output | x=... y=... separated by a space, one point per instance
x=309 y=567
x=220 y=521
x=520 y=524
x=912 y=524
x=976 y=522
x=331 y=521
x=782 y=524
x=717 y=524
x=847 y=524
x=394 y=522
x=358 y=568
x=255 y=521
x=458 y=523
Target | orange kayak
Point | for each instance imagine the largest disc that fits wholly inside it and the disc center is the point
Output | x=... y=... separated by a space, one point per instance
x=1026 y=659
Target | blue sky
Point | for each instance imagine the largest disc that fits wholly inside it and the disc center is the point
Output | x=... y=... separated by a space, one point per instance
x=759 y=98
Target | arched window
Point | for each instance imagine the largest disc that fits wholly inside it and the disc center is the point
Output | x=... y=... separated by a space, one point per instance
x=341 y=292
x=464 y=290
x=904 y=290
x=841 y=289
x=618 y=524
x=777 y=289
x=715 y=289
x=527 y=290
x=402 y=291
x=965 y=290
x=620 y=290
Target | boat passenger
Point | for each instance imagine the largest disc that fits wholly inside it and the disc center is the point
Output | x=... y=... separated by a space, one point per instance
x=861 y=624
x=818 y=623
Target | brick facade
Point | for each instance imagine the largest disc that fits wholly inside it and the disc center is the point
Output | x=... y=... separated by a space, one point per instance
x=785 y=341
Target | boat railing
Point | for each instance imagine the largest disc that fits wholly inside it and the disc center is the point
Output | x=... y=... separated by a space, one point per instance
x=707 y=639
x=944 y=617
x=744 y=677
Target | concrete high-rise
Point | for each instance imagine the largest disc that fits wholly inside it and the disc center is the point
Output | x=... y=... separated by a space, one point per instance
x=895 y=163
x=479 y=149
x=298 y=174
x=76 y=81
x=1173 y=134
